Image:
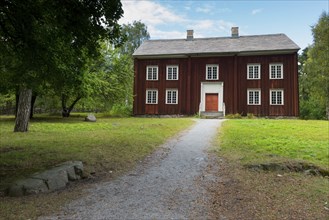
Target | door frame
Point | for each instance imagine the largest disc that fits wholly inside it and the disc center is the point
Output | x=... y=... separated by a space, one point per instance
x=211 y=87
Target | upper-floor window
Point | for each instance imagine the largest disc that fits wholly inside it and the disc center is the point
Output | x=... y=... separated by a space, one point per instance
x=212 y=72
x=152 y=72
x=253 y=71
x=172 y=72
x=276 y=97
x=254 y=97
x=276 y=71
x=151 y=96
x=171 y=96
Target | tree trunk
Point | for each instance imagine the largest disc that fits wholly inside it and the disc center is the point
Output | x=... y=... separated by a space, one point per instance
x=67 y=111
x=16 y=105
x=23 y=110
x=34 y=97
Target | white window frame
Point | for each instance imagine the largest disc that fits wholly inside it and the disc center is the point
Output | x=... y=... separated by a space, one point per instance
x=253 y=71
x=170 y=102
x=177 y=72
x=253 y=92
x=156 y=96
x=157 y=73
x=276 y=96
x=217 y=70
x=276 y=65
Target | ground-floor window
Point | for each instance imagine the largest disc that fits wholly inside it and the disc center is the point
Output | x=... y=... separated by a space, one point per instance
x=151 y=96
x=254 y=97
x=171 y=96
x=276 y=97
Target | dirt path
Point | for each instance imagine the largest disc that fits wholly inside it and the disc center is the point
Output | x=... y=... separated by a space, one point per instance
x=171 y=184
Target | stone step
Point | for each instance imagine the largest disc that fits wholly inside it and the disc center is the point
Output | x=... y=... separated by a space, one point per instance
x=210 y=115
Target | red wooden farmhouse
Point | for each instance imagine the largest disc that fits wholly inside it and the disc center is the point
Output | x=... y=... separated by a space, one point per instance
x=238 y=74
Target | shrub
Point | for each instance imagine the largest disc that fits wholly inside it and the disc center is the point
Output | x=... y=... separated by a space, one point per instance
x=234 y=116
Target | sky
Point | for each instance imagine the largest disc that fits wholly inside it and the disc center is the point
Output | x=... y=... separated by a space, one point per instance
x=169 y=19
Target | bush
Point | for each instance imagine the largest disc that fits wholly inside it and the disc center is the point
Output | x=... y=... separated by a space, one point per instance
x=121 y=111
x=251 y=116
x=233 y=116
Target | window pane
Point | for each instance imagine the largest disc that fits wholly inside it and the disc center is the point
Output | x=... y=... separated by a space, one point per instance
x=174 y=73
x=174 y=94
x=273 y=72
x=251 y=97
x=214 y=72
x=273 y=97
x=279 y=97
x=256 y=97
x=278 y=71
x=168 y=97
x=209 y=72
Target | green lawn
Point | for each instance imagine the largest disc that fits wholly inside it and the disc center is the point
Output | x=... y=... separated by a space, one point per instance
x=110 y=144
x=264 y=140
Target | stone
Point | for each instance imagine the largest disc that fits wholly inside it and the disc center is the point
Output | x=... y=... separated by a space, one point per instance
x=90 y=118
x=55 y=178
x=49 y=180
x=27 y=187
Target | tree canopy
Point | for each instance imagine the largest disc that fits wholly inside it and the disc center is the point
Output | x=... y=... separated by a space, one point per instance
x=43 y=42
x=314 y=73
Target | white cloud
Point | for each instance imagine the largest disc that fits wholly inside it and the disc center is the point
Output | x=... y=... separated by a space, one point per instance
x=256 y=11
x=201 y=25
x=158 y=34
x=204 y=9
x=163 y=23
x=150 y=13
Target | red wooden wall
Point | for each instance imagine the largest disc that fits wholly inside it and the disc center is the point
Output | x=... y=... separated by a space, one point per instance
x=232 y=72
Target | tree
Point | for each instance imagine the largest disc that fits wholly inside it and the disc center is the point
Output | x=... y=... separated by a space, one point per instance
x=44 y=41
x=315 y=79
x=135 y=33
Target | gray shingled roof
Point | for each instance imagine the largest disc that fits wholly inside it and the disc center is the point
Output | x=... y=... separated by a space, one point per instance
x=242 y=44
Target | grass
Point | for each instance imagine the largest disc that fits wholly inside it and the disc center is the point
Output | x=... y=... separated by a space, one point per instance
x=277 y=194
x=263 y=140
x=110 y=144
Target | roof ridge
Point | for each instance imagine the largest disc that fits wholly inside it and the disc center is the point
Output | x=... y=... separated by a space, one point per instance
x=214 y=38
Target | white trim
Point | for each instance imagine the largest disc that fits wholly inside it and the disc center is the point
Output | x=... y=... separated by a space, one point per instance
x=172 y=90
x=282 y=96
x=254 y=65
x=259 y=98
x=217 y=71
x=276 y=70
x=172 y=66
x=156 y=96
x=157 y=72
x=212 y=87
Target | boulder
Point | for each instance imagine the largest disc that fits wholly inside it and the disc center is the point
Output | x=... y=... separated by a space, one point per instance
x=27 y=187
x=49 y=180
x=90 y=118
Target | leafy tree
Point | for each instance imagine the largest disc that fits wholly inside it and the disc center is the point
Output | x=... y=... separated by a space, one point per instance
x=314 y=81
x=46 y=40
x=135 y=33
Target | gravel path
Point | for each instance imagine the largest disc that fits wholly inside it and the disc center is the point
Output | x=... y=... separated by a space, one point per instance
x=169 y=185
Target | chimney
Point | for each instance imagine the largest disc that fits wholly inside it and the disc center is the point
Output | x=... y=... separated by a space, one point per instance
x=235 y=31
x=189 y=35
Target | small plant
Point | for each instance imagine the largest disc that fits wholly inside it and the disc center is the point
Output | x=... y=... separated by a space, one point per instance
x=251 y=116
x=121 y=111
x=234 y=116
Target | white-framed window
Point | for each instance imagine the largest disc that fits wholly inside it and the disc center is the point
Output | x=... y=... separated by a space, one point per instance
x=171 y=96
x=151 y=96
x=254 y=97
x=172 y=72
x=253 y=71
x=152 y=72
x=276 y=97
x=276 y=71
x=211 y=72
